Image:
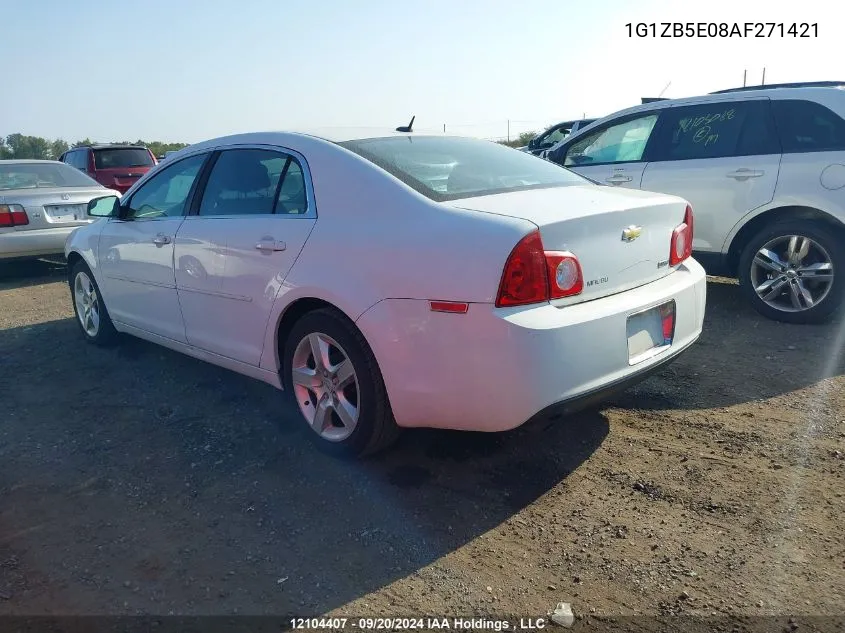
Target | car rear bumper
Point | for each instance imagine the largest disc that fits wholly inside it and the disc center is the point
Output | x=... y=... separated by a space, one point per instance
x=34 y=242
x=493 y=369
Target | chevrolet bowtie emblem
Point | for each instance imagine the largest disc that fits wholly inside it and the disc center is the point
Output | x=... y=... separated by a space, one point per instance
x=631 y=233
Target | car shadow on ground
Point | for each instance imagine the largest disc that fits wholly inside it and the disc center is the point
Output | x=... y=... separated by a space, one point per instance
x=773 y=358
x=140 y=480
x=31 y=272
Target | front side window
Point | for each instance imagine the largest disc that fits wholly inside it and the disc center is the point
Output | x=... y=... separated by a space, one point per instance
x=449 y=168
x=806 y=126
x=122 y=157
x=621 y=143
x=165 y=194
x=715 y=130
x=254 y=182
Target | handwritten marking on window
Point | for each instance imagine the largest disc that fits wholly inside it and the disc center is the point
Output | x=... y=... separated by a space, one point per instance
x=703 y=126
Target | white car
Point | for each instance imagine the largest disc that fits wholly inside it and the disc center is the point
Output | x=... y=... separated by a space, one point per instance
x=764 y=169
x=41 y=203
x=348 y=271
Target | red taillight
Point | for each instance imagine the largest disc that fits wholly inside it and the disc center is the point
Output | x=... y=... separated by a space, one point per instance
x=681 y=245
x=533 y=275
x=13 y=215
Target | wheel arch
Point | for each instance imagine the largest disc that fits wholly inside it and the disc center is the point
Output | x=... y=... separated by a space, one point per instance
x=772 y=216
x=291 y=314
x=73 y=257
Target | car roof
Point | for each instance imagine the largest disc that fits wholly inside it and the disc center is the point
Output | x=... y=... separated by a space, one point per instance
x=801 y=92
x=332 y=135
x=108 y=146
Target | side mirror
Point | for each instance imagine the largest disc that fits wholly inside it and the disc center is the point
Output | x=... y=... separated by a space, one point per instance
x=104 y=207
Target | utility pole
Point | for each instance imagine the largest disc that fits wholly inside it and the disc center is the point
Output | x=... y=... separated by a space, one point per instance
x=509 y=130
x=764 y=76
x=444 y=128
x=744 y=77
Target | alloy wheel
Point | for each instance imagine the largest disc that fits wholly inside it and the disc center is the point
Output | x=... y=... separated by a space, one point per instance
x=792 y=273
x=325 y=386
x=87 y=304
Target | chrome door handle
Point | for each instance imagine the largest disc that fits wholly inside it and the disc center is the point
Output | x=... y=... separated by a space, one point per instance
x=745 y=174
x=161 y=240
x=618 y=179
x=269 y=246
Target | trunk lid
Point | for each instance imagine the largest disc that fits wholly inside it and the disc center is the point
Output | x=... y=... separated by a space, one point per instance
x=53 y=207
x=621 y=237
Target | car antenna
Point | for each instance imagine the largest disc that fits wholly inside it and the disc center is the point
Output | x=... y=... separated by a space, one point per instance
x=407 y=128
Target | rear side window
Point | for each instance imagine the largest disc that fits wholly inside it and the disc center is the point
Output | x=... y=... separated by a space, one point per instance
x=121 y=157
x=715 y=130
x=254 y=182
x=806 y=126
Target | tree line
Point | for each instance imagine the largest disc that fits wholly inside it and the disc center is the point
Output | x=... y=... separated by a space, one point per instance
x=22 y=146
x=520 y=140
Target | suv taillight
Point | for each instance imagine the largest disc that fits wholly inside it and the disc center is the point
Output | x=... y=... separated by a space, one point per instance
x=533 y=275
x=681 y=245
x=13 y=215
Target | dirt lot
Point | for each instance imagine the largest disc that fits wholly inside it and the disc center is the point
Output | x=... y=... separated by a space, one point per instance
x=137 y=480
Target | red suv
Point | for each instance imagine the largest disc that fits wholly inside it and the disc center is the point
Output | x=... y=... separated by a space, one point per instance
x=113 y=166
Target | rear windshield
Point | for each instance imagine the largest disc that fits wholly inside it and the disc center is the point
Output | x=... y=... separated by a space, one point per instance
x=449 y=168
x=122 y=157
x=33 y=175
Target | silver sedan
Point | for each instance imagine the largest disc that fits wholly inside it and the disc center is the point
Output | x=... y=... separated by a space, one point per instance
x=41 y=203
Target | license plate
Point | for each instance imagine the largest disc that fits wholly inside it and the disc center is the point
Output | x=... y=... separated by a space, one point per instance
x=650 y=332
x=67 y=212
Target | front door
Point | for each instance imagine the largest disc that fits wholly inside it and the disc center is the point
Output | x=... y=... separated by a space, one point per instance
x=136 y=251
x=723 y=157
x=613 y=154
x=236 y=247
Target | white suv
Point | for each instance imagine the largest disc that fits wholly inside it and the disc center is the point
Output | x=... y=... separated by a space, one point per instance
x=764 y=169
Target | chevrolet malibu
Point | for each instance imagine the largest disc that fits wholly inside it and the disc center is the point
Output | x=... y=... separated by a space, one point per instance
x=382 y=295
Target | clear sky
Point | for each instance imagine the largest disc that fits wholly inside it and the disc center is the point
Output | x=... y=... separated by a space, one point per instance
x=186 y=70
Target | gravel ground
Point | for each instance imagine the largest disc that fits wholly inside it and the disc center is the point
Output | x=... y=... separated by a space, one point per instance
x=139 y=481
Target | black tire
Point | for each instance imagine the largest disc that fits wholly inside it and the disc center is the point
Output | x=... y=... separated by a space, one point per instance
x=376 y=428
x=105 y=334
x=828 y=238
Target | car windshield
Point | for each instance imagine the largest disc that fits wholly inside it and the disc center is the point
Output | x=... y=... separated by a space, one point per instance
x=122 y=157
x=32 y=175
x=449 y=168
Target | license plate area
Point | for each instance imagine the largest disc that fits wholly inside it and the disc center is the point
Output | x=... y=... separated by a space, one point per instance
x=66 y=212
x=650 y=332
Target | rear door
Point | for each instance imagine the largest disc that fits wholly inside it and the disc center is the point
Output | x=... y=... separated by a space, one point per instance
x=723 y=157
x=613 y=154
x=235 y=249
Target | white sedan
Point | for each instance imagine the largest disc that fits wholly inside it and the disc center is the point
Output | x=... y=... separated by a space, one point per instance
x=394 y=280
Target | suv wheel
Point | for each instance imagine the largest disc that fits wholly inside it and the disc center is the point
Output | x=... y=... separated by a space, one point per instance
x=794 y=272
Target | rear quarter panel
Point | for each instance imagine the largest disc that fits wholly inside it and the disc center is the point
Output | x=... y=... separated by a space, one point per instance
x=375 y=239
